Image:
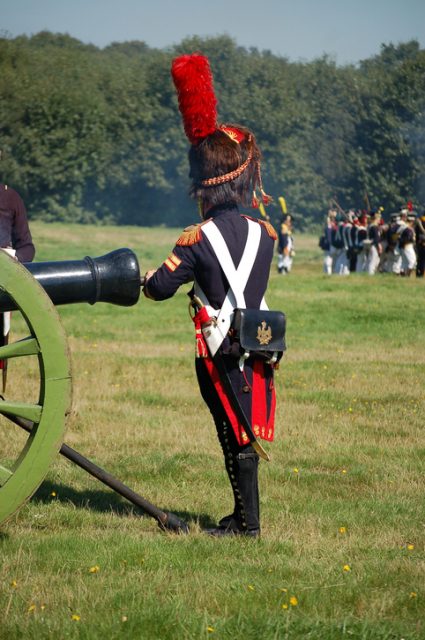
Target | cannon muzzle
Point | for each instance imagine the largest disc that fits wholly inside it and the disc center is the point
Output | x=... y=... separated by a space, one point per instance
x=114 y=278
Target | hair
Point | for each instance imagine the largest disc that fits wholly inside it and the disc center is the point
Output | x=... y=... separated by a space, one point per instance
x=217 y=155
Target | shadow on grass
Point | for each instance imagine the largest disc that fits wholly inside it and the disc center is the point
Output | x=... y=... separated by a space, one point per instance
x=106 y=502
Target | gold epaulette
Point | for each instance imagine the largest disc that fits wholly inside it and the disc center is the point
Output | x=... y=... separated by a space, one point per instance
x=267 y=225
x=191 y=235
x=269 y=228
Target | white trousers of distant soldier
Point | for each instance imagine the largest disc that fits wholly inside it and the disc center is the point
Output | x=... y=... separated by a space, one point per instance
x=408 y=259
x=341 y=265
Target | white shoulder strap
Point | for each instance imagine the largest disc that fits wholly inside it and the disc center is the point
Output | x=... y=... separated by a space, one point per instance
x=237 y=278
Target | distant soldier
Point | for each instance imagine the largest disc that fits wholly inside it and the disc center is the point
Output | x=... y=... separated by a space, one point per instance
x=362 y=243
x=388 y=245
x=339 y=240
x=407 y=246
x=350 y=234
x=285 y=247
x=325 y=241
x=420 y=244
x=375 y=247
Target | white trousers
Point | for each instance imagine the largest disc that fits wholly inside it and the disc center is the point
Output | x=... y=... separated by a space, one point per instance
x=408 y=257
x=372 y=262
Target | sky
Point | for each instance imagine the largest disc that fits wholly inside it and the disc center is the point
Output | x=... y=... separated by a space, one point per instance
x=300 y=30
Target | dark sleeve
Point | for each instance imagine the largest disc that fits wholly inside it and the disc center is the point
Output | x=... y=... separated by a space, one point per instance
x=21 y=235
x=282 y=238
x=177 y=269
x=283 y=241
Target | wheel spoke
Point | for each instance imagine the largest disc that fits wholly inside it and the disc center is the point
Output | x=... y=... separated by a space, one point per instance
x=4 y=475
x=26 y=347
x=28 y=411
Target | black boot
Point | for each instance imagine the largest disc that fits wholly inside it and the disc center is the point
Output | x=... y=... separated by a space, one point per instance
x=248 y=490
x=242 y=469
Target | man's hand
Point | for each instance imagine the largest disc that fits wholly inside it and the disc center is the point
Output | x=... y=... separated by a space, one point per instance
x=148 y=275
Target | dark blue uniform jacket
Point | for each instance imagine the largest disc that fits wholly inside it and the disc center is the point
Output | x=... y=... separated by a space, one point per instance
x=197 y=260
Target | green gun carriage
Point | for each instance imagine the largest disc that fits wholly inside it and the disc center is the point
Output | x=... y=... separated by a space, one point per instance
x=34 y=290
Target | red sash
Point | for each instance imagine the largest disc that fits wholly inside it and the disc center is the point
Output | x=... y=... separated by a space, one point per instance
x=262 y=419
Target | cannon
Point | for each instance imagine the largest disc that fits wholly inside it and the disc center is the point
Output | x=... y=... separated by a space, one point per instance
x=34 y=289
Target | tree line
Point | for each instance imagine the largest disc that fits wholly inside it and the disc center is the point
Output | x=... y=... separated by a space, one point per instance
x=94 y=135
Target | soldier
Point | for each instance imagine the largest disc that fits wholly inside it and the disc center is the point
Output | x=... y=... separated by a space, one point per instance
x=338 y=241
x=375 y=247
x=420 y=244
x=285 y=247
x=325 y=242
x=407 y=246
x=15 y=238
x=350 y=234
x=15 y=234
x=227 y=247
x=397 y=225
x=361 y=243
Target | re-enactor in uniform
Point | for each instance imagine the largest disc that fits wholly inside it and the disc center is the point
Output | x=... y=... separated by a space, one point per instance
x=16 y=240
x=15 y=234
x=227 y=257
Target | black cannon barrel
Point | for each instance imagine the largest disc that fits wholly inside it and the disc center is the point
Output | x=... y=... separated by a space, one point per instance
x=113 y=278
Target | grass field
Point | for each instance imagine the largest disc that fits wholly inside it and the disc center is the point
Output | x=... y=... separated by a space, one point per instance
x=342 y=500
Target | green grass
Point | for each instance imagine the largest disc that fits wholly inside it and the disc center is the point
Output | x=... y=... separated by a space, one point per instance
x=345 y=487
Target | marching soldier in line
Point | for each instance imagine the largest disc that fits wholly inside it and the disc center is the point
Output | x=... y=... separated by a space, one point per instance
x=227 y=251
x=362 y=243
x=407 y=246
x=420 y=244
x=348 y=235
x=375 y=237
x=351 y=240
x=391 y=258
x=325 y=242
x=339 y=265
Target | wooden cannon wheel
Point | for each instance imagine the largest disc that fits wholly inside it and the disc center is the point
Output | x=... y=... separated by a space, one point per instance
x=45 y=343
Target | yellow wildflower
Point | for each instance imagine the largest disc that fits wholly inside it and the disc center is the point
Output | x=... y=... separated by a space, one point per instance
x=413 y=594
x=296 y=470
x=75 y=617
x=210 y=629
x=124 y=618
x=14 y=584
x=53 y=494
x=410 y=547
x=94 y=569
x=342 y=530
x=250 y=587
x=293 y=601
x=31 y=608
x=346 y=567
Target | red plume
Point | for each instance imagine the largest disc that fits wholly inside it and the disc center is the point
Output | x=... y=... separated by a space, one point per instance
x=193 y=80
x=410 y=205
